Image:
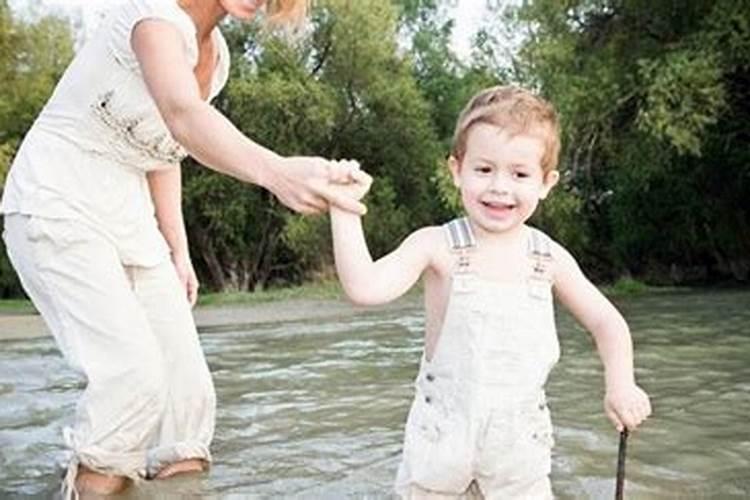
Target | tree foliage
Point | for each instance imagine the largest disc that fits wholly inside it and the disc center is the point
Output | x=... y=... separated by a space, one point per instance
x=654 y=105
x=340 y=90
x=653 y=98
x=33 y=56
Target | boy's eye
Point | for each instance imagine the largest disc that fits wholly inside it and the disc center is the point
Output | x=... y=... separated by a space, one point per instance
x=520 y=174
x=483 y=169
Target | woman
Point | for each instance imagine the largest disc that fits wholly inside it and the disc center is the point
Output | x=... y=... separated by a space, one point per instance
x=93 y=225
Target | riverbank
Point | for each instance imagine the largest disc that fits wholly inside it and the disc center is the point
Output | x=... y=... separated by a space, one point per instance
x=219 y=311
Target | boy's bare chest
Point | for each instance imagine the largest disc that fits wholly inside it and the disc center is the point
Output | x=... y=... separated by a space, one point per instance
x=499 y=266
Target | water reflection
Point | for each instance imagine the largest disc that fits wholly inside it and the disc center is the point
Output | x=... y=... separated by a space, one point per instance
x=315 y=409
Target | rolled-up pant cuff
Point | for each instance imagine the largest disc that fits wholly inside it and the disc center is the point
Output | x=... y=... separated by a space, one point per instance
x=189 y=450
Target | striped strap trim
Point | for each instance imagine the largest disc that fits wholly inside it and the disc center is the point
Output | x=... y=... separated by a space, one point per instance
x=539 y=245
x=459 y=234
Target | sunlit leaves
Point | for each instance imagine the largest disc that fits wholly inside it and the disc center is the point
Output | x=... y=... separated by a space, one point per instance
x=684 y=94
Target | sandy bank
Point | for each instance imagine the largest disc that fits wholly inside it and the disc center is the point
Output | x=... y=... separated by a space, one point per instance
x=214 y=318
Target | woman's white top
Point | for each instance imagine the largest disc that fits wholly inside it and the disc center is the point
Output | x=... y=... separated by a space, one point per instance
x=87 y=154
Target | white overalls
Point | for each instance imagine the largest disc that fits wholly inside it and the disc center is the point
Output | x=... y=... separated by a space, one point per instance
x=479 y=420
x=81 y=233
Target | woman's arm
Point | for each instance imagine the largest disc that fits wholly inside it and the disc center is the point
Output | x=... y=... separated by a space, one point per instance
x=166 y=193
x=301 y=183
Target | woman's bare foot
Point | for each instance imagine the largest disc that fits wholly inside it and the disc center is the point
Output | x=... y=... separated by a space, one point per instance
x=184 y=467
x=90 y=483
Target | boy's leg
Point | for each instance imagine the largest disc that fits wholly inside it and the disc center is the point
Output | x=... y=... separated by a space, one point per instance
x=414 y=492
x=76 y=281
x=437 y=457
x=533 y=489
x=517 y=454
x=188 y=424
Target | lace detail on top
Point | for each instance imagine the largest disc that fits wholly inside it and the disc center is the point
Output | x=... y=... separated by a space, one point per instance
x=156 y=145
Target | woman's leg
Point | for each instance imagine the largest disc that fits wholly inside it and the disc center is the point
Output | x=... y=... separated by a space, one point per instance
x=75 y=279
x=188 y=424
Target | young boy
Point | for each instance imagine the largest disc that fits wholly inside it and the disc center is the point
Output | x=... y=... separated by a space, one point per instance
x=479 y=420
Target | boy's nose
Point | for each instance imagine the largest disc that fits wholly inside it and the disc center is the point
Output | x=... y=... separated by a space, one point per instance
x=500 y=183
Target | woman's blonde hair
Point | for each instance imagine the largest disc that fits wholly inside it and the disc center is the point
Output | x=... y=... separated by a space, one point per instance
x=287 y=12
x=515 y=110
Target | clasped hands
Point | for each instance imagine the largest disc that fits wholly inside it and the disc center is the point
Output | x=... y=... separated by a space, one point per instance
x=311 y=185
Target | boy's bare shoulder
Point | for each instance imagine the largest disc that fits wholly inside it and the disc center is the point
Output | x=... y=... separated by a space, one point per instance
x=430 y=238
x=433 y=240
x=430 y=233
x=564 y=262
x=558 y=251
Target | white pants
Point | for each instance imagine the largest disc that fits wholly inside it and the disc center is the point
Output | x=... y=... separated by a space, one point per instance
x=149 y=399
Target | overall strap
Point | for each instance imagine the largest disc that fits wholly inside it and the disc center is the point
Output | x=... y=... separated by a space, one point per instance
x=460 y=240
x=460 y=236
x=539 y=249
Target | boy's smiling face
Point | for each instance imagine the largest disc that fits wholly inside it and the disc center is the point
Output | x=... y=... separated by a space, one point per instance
x=501 y=178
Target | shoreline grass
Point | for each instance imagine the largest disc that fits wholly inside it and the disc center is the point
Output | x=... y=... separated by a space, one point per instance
x=331 y=290
x=16 y=306
x=319 y=290
x=631 y=287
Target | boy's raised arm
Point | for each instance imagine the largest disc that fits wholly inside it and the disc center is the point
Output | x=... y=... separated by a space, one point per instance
x=370 y=283
x=626 y=404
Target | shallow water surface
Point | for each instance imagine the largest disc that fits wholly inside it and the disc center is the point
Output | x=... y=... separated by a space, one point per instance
x=315 y=409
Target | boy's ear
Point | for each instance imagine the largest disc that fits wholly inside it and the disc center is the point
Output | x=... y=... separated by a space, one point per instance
x=455 y=167
x=550 y=180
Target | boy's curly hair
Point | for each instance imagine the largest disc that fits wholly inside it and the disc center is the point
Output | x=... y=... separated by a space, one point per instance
x=515 y=110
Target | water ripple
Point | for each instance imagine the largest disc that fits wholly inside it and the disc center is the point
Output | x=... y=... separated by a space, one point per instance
x=316 y=409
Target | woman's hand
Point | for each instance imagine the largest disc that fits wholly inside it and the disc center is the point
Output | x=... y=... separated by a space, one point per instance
x=308 y=184
x=186 y=275
x=627 y=406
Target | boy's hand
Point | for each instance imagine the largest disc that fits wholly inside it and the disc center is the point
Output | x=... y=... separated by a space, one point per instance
x=346 y=178
x=627 y=406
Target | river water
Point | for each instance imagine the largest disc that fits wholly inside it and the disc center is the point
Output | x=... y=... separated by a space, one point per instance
x=315 y=409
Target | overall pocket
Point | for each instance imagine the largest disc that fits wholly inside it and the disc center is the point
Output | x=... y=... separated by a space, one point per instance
x=535 y=442
x=432 y=409
x=435 y=455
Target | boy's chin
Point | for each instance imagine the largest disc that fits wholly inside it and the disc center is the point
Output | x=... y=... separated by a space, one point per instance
x=496 y=227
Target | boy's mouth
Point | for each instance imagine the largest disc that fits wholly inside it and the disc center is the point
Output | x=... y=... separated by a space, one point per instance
x=498 y=208
x=498 y=205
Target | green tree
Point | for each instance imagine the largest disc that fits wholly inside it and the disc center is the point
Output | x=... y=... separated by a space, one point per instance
x=646 y=90
x=341 y=90
x=33 y=56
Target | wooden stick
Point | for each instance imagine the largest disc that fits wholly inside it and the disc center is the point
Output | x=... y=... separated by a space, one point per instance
x=620 y=485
